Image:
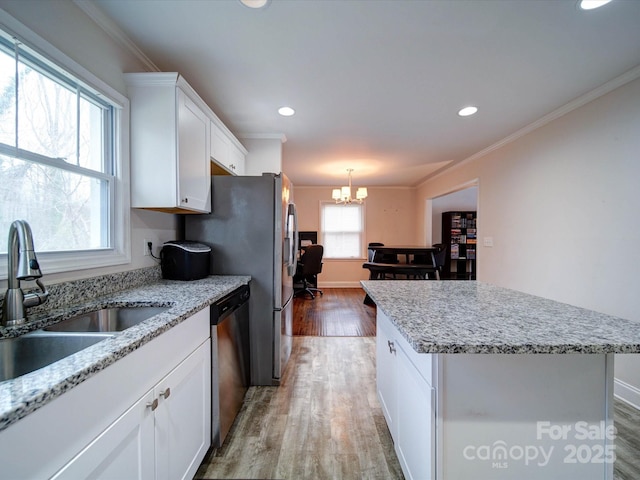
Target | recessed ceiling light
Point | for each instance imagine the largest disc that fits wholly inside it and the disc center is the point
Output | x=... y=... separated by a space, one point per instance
x=255 y=3
x=466 y=111
x=591 y=4
x=286 y=111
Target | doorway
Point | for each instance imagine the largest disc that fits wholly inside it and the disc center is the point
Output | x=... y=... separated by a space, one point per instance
x=462 y=199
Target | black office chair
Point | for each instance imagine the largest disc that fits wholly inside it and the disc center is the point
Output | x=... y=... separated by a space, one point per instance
x=307 y=270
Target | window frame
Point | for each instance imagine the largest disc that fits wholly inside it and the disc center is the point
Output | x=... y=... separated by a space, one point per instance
x=363 y=252
x=118 y=208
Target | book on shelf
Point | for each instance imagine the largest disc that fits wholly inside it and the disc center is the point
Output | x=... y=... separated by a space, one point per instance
x=471 y=241
x=455 y=251
x=471 y=253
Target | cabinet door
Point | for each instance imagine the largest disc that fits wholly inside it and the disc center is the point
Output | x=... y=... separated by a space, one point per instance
x=124 y=450
x=194 y=182
x=220 y=146
x=183 y=417
x=415 y=443
x=386 y=373
x=237 y=161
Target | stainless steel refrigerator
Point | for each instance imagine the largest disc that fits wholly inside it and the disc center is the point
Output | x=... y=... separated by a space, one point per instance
x=252 y=230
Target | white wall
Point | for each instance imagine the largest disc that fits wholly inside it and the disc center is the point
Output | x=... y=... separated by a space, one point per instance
x=561 y=204
x=264 y=155
x=68 y=29
x=389 y=214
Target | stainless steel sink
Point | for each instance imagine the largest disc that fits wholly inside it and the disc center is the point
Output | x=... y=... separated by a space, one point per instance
x=113 y=319
x=24 y=354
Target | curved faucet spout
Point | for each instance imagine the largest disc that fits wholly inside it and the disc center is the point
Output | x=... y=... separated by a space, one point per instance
x=23 y=265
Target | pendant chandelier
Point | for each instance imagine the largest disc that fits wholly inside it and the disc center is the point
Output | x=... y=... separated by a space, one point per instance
x=343 y=194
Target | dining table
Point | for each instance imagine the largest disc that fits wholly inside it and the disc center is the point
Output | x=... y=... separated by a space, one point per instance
x=407 y=251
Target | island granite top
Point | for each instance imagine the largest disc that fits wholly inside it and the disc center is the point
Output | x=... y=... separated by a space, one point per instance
x=25 y=394
x=475 y=317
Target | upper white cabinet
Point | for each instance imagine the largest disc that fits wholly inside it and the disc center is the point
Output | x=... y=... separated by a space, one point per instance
x=227 y=154
x=170 y=166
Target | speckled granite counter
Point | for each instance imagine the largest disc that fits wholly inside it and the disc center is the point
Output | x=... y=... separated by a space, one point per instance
x=27 y=393
x=472 y=317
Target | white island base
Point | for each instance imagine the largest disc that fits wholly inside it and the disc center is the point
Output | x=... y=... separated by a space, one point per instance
x=496 y=416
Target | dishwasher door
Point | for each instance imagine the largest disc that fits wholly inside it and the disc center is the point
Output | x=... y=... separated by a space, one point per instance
x=229 y=361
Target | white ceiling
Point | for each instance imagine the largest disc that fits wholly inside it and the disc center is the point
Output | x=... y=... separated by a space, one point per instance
x=377 y=84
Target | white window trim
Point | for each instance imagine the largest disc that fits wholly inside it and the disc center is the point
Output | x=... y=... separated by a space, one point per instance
x=55 y=262
x=363 y=243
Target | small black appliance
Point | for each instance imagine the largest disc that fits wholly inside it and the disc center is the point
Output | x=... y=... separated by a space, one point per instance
x=184 y=260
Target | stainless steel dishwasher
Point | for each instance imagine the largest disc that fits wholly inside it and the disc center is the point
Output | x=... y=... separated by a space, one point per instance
x=229 y=360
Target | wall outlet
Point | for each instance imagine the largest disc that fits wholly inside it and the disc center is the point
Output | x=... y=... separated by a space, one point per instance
x=146 y=247
x=488 y=241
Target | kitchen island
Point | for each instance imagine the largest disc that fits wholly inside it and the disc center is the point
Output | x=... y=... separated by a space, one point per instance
x=482 y=382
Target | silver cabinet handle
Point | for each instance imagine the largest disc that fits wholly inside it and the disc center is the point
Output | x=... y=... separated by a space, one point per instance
x=392 y=347
x=166 y=393
x=153 y=405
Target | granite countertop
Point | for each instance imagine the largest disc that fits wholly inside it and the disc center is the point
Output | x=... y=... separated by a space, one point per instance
x=475 y=317
x=27 y=393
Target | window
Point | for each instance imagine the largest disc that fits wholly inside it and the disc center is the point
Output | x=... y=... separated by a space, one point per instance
x=60 y=166
x=342 y=228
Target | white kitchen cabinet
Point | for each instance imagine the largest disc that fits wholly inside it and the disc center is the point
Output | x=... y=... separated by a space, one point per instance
x=183 y=416
x=226 y=152
x=386 y=377
x=237 y=159
x=408 y=401
x=471 y=415
x=104 y=426
x=170 y=149
x=124 y=450
x=162 y=436
x=415 y=420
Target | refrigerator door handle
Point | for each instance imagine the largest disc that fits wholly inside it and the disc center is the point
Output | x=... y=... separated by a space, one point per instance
x=293 y=254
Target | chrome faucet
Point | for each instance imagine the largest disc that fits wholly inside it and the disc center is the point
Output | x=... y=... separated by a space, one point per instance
x=23 y=265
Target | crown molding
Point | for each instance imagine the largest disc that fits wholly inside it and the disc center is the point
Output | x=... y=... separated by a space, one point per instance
x=574 y=104
x=264 y=136
x=115 y=32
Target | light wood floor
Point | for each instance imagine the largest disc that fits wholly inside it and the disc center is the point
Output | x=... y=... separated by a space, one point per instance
x=324 y=421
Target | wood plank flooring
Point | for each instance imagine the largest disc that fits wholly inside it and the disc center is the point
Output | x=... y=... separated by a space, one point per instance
x=324 y=421
x=626 y=420
x=340 y=312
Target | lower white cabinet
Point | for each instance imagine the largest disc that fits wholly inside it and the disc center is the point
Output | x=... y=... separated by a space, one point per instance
x=146 y=416
x=408 y=402
x=496 y=416
x=163 y=436
x=415 y=420
x=124 y=450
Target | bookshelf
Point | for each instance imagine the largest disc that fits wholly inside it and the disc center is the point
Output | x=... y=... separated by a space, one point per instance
x=459 y=234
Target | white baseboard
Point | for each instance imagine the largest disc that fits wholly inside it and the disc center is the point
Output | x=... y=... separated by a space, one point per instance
x=355 y=284
x=627 y=393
